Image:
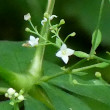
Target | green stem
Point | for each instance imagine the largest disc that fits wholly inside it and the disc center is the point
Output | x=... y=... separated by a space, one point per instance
x=46 y=78
x=77 y=64
x=101 y=59
x=36 y=66
x=73 y=71
x=15 y=80
x=98 y=24
x=16 y=107
x=100 y=14
x=85 y=68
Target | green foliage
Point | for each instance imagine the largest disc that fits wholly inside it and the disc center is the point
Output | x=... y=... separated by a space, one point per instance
x=32 y=104
x=45 y=85
x=62 y=100
x=4 y=105
x=96 y=40
x=63 y=94
x=84 y=88
x=14 y=57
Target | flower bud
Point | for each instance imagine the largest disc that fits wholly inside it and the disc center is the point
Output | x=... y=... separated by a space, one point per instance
x=6 y=95
x=98 y=74
x=27 y=17
x=72 y=34
x=62 y=21
x=11 y=91
x=46 y=15
x=16 y=94
x=27 y=29
x=81 y=54
x=21 y=91
x=75 y=81
x=21 y=98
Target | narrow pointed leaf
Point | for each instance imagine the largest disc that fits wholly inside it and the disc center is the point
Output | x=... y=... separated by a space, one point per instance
x=96 y=40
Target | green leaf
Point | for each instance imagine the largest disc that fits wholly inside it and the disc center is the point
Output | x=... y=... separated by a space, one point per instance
x=33 y=104
x=62 y=100
x=14 y=57
x=51 y=68
x=94 y=104
x=102 y=65
x=96 y=40
x=4 y=105
x=80 y=9
x=100 y=93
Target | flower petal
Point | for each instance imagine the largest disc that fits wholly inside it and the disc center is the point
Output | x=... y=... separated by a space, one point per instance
x=37 y=39
x=59 y=54
x=65 y=59
x=43 y=21
x=32 y=38
x=53 y=16
x=63 y=47
x=69 y=52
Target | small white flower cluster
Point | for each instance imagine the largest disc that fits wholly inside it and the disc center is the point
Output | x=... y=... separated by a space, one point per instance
x=64 y=52
x=32 y=40
x=50 y=18
x=14 y=96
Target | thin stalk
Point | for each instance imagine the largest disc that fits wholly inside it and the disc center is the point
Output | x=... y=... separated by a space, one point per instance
x=78 y=63
x=98 y=25
x=85 y=68
x=72 y=72
x=36 y=65
x=101 y=59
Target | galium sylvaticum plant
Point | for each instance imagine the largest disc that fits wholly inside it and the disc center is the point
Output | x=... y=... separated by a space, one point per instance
x=29 y=81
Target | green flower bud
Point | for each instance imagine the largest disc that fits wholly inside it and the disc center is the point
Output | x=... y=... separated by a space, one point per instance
x=81 y=54
x=72 y=34
x=46 y=15
x=98 y=74
x=27 y=29
x=62 y=21
x=75 y=81
x=21 y=92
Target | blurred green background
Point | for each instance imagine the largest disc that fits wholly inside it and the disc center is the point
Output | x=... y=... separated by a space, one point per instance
x=80 y=16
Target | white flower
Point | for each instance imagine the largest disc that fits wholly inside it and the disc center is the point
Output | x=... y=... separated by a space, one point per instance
x=53 y=16
x=21 y=98
x=11 y=91
x=64 y=52
x=33 y=41
x=27 y=16
x=43 y=21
